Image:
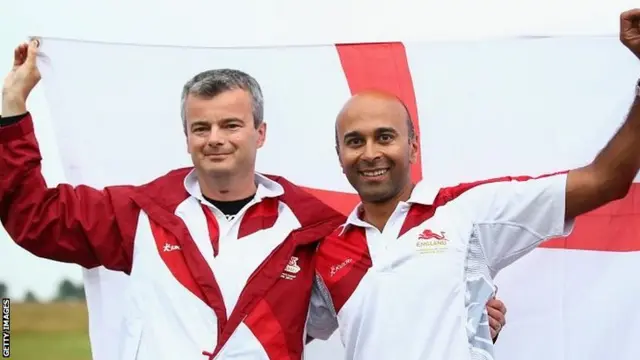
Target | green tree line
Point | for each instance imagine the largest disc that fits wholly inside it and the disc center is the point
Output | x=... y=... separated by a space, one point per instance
x=67 y=291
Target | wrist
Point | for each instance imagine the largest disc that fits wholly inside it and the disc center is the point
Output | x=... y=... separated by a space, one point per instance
x=13 y=104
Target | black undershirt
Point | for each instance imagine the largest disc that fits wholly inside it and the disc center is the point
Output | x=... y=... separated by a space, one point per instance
x=230 y=208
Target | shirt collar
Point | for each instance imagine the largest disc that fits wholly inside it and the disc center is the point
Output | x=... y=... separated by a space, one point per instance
x=423 y=193
x=266 y=188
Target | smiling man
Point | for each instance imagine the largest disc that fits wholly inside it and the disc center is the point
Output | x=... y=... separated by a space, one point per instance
x=377 y=145
x=409 y=273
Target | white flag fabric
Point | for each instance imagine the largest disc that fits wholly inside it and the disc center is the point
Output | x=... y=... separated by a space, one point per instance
x=483 y=109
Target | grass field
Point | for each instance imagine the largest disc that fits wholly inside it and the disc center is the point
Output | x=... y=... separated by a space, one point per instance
x=56 y=331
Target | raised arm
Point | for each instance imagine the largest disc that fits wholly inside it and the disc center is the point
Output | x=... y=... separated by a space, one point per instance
x=512 y=216
x=610 y=175
x=78 y=225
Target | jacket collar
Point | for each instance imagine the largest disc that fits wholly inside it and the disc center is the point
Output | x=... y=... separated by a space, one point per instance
x=266 y=188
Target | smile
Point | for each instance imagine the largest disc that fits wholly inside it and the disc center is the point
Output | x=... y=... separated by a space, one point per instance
x=374 y=173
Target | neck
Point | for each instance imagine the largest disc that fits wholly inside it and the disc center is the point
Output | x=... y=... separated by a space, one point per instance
x=228 y=188
x=377 y=214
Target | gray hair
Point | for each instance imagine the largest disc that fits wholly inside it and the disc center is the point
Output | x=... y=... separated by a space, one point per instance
x=211 y=83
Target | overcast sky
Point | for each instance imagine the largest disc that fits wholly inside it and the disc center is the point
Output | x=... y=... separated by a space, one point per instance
x=20 y=270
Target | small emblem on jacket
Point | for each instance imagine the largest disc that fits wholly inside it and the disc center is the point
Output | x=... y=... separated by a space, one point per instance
x=431 y=242
x=428 y=235
x=335 y=268
x=168 y=247
x=291 y=269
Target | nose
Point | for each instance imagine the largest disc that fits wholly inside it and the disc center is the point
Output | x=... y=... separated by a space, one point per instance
x=216 y=138
x=370 y=152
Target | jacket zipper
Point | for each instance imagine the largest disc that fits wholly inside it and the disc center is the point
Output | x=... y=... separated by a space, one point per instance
x=253 y=301
x=221 y=351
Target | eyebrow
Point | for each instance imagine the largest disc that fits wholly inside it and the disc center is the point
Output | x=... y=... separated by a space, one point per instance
x=377 y=131
x=351 y=134
x=231 y=119
x=207 y=123
x=385 y=130
x=199 y=123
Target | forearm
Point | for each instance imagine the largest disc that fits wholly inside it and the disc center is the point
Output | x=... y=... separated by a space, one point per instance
x=610 y=175
x=619 y=161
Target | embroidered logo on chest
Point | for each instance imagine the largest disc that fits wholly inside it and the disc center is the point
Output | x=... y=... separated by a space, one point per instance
x=170 y=247
x=430 y=242
x=291 y=269
x=335 y=268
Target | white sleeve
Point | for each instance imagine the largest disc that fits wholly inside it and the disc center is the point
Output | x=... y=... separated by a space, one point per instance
x=322 y=320
x=512 y=218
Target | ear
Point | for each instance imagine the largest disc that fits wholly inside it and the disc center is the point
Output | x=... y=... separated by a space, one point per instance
x=414 y=147
x=262 y=134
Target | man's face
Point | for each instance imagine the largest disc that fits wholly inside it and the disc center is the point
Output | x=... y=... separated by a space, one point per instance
x=221 y=137
x=374 y=147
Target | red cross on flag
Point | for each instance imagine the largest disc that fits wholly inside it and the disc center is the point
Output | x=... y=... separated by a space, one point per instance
x=482 y=110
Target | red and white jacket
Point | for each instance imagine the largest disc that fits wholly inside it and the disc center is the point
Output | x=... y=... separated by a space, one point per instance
x=249 y=302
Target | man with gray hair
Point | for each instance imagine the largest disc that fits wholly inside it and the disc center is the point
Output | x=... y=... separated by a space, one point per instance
x=219 y=257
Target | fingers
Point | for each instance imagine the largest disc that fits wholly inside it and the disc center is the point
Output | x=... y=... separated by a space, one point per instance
x=494 y=327
x=496 y=322
x=26 y=53
x=32 y=52
x=497 y=316
x=629 y=20
x=20 y=54
x=630 y=15
x=497 y=305
x=497 y=319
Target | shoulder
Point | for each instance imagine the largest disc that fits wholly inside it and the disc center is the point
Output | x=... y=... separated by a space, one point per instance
x=307 y=208
x=488 y=186
x=336 y=238
x=167 y=190
x=343 y=243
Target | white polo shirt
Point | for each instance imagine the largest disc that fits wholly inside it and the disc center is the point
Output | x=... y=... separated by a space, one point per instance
x=418 y=289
